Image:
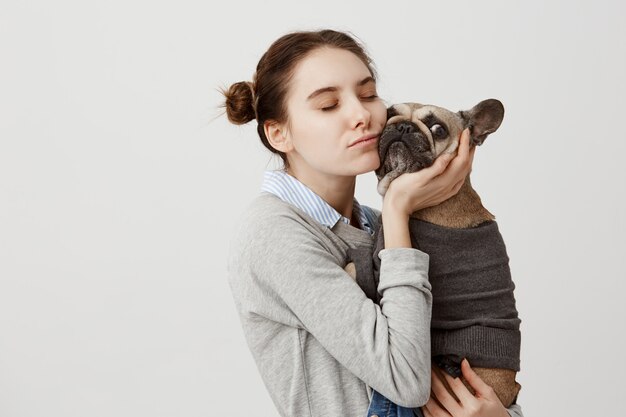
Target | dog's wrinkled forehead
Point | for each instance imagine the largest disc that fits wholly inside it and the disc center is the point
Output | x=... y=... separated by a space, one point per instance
x=425 y=114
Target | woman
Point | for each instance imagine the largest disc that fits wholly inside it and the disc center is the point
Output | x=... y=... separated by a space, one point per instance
x=322 y=347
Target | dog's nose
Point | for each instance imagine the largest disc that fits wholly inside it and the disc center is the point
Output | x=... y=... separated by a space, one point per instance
x=405 y=127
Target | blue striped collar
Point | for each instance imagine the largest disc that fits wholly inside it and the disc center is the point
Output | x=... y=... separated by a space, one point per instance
x=291 y=190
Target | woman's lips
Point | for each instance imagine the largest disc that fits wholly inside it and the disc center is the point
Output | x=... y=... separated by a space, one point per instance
x=365 y=140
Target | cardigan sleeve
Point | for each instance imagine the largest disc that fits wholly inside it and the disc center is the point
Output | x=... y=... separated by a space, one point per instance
x=515 y=410
x=290 y=277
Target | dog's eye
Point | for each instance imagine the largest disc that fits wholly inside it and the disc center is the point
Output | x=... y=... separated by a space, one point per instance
x=438 y=131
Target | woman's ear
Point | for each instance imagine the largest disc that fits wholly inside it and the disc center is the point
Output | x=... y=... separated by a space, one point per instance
x=278 y=136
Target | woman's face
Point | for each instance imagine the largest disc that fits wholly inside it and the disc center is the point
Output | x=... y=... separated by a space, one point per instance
x=332 y=105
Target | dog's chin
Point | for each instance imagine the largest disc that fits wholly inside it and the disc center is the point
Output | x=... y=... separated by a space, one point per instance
x=383 y=183
x=396 y=164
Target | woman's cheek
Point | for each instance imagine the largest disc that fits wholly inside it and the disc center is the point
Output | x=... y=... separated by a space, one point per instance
x=381 y=114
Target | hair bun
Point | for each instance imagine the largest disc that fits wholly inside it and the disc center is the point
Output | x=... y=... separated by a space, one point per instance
x=239 y=102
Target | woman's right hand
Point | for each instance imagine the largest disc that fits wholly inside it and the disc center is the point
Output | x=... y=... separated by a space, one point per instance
x=484 y=403
x=430 y=186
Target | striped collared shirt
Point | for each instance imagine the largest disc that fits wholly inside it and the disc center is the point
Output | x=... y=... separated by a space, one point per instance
x=292 y=191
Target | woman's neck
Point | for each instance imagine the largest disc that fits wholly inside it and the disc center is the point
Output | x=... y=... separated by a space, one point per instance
x=337 y=191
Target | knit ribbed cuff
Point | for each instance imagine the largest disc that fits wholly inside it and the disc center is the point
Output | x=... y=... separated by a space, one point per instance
x=485 y=347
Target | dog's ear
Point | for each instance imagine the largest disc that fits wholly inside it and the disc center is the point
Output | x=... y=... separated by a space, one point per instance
x=483 y=119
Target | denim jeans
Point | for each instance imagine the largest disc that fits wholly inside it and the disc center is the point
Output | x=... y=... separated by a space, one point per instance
x=382 y=407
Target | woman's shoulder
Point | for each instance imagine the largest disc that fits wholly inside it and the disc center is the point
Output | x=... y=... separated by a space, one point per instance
x=268 y=218
x=268 y=210
x=271 y=229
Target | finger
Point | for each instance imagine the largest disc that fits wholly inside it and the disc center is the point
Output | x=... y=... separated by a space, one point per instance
x=458 y=186
x=461 y=164
x=439 y=166
x=454 y=178
x=460 y=390
x=443 y=396
x=474 y=380
x=471 y=158
x=451 y=191
x=465 y=151
x=432 y=409
x=448 y=166
x=464 y=142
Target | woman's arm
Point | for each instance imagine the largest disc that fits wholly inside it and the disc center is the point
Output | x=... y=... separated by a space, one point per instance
x=282 y=271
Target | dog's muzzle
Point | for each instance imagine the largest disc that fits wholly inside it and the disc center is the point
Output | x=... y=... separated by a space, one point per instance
x=403 y=148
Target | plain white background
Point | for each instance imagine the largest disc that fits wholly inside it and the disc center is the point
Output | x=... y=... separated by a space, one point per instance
x=120 y=185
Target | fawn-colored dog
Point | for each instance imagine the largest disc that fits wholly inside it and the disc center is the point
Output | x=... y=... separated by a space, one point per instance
x=474 y=314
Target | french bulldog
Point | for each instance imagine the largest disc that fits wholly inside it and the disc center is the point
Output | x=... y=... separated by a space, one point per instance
x=474 y=314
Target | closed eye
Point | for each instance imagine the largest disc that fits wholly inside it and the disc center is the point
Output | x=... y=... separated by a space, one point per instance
x=328 y=108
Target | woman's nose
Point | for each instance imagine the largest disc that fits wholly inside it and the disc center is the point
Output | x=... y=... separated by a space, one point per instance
x=360 y=114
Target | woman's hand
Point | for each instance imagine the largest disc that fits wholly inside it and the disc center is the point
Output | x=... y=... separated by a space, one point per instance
x=484 y=404
x=430 y=186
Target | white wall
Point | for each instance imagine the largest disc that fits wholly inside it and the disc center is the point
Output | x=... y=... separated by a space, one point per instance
x=118 y=192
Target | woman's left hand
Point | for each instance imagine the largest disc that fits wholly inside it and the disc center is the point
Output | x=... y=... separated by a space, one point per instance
x=484 y=404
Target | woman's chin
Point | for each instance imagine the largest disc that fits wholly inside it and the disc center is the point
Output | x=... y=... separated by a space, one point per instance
x=369 y=163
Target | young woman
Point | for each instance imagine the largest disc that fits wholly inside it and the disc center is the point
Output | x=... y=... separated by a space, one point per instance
x=322 y=347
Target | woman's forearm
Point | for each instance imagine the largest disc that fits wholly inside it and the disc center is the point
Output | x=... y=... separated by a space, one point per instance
x=395 y=224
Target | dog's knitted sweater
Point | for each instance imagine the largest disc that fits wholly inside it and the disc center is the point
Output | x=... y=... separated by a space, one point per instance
x=474 y=313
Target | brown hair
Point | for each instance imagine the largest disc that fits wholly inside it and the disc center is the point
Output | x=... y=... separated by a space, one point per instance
x=264 y=98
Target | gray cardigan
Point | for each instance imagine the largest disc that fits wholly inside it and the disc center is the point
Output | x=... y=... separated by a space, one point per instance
x=317 y=340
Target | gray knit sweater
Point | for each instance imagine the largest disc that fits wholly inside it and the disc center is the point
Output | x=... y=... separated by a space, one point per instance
x=474 y=313
x=316 y=338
